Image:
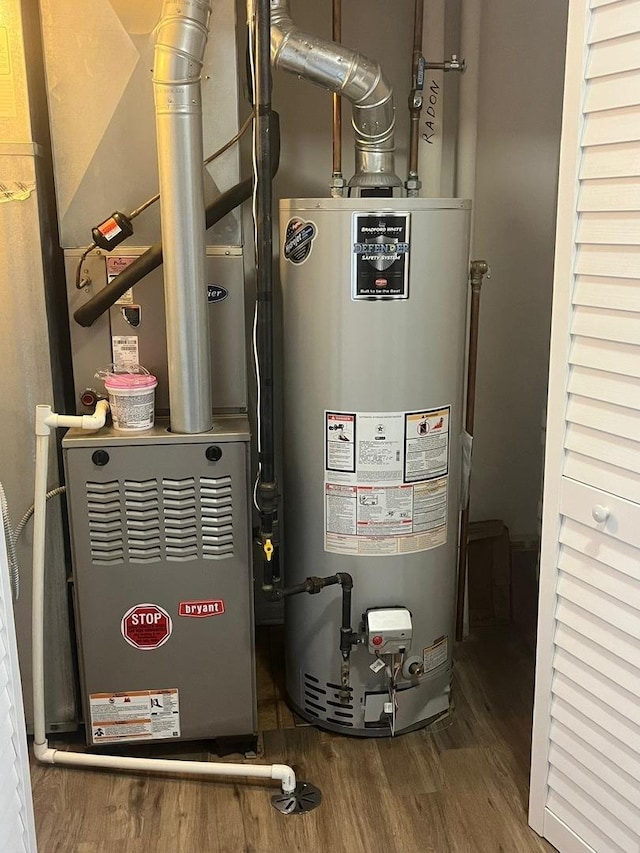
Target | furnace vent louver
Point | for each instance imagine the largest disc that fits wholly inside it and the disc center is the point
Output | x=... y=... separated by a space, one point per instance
x=180 y=519
x=143 y=521
x=105 y=522
x=175 y=520
x=216 y=506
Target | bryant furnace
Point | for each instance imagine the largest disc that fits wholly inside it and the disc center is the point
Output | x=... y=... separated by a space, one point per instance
x=162 y=581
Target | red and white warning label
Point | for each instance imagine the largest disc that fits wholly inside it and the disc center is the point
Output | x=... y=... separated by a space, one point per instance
x=138 y=715
x=110 y=229
x=146 y=626
x=386 y=492
x=435 y=655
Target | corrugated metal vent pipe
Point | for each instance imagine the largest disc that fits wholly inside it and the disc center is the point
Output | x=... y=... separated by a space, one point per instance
x=351 y=75
x=180 y=44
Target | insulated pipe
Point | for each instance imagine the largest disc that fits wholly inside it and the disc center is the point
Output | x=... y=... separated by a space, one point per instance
x=347 y=73
x=45 y=421
x=180 y=45
x=267 y=492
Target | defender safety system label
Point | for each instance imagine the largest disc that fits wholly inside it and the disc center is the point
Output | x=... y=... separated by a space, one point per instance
x=139 y=715
x=380 y=256
x=386 y=481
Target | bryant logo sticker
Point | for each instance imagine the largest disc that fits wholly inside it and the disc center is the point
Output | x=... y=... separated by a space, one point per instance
x=299 y=240
x=199 y=609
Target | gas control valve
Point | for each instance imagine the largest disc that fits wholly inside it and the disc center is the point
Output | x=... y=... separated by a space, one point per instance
x=388 y=630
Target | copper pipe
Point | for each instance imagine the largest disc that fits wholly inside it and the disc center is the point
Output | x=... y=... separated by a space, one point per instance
x=337 y=100
x=478 y=270
x=415 y=99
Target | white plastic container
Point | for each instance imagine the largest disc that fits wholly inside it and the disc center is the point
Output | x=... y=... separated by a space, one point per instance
x=132 y=400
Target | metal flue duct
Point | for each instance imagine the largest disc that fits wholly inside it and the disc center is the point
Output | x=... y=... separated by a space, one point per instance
x=180 y=44
x=351 y=75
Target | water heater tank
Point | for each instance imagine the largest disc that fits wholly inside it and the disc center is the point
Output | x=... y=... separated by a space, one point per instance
x=374 y=301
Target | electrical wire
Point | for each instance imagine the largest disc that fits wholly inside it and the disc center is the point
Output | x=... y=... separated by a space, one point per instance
x=156 y=197
x=83 y=258
x=11 y=536
x=60 y=490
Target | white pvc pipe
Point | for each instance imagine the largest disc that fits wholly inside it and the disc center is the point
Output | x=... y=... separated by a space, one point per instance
x=45 y=419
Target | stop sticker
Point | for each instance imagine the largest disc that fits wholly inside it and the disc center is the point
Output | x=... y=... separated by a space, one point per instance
x=146 y=626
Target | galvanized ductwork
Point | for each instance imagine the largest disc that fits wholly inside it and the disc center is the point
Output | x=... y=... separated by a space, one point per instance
x=351 y=75
x=181 y=40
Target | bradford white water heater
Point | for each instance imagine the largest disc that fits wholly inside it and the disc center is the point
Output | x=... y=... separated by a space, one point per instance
x=374 y=301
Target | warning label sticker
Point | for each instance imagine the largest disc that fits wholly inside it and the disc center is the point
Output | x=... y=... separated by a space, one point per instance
x=435 y=655
x=427 y=444
x=115 y=265
x=139 y=715
x=386 y=481
x=341 y=448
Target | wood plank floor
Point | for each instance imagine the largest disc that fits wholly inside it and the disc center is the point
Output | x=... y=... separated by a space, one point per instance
x=461 y=788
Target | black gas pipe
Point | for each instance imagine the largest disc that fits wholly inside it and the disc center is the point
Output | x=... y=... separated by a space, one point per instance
x=267 y=492
x=348 y=637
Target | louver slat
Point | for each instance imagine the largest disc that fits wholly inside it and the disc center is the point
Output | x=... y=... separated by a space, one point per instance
x=105 y=523
x=216 y=508
x=180 y=519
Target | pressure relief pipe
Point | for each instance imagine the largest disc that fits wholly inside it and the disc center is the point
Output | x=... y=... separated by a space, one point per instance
x=180 y=44
x=355 y=77
x=46 y=420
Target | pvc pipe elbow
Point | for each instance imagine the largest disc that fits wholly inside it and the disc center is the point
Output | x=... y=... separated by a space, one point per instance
x=44 y=753
x=98 y=418
x=286 y=776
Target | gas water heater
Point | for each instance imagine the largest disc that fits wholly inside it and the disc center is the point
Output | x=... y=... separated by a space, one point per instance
x=374 y=300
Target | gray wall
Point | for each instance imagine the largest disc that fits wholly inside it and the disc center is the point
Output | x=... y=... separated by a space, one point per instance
x=520 y=104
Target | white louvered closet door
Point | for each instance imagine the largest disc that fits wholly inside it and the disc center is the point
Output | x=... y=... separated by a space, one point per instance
x=585 y=776
x=17 y=831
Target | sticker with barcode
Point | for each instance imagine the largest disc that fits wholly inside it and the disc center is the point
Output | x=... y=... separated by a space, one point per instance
x=125 y=350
